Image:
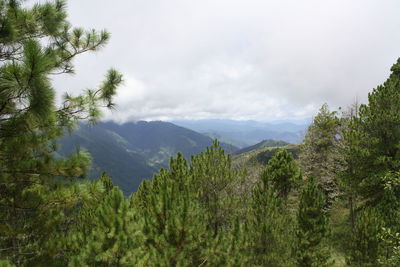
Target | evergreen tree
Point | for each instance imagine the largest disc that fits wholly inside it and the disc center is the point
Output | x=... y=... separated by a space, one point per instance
x=365 y=240
x=35 y=43
x=319 y=154
x=231 y=247
x=174 y=224
x=372 y=157
x=213 y=177
x=283 y=172
x=348 y=177
x=269 y=228
x=101 y=231
x=108 y=235
x=377 y=133
x=312 y=227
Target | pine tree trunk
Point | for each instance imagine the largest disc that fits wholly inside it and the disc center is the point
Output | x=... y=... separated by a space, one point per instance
x=351 y=207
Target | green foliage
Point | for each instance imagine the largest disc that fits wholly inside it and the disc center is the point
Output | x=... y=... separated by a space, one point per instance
x=391 y=241
x=35 y=43
x=264 y=156
x=174 y=224
x=188 y=215
x=312 y=227
x=371 y=153
x=377 y=129
x=109 y=234
x=389 y=214
x=283 y=173
x=270 y=234
x=262 y=144
x=5 y=263
x=213 y=177
x=319 y=156
x=366 y=243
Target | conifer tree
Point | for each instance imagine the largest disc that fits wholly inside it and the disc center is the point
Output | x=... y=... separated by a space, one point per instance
x=213 y=176
x=312 y=227
x=174 y=224
x=231 y=246
x=377 y=129
x=348 y=177
x=283 y=173
x=108 y=236
x=372 y=156
x=102 y=230
x=319 y=154
x=365 y=240
x=35 y=43
x=269 y=228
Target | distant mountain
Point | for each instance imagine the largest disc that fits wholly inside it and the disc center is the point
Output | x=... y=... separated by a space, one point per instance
x=262 y=144
x=226 y=139
x=246 y=133
x=134 y=151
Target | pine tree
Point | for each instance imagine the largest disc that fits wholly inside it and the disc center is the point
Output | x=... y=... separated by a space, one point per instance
x=377 y=133
x=35 y=43
x=213 y=176
x=230 y=247
x=319 y=154
x=268 y=228
x=348 y=177
x=312 y=227
x=372 y=158
x=108 y=235
x=174 y=224
x=283 y=173
x=365 y=240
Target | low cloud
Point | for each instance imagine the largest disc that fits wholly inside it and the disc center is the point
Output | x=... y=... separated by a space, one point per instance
x=244 y=59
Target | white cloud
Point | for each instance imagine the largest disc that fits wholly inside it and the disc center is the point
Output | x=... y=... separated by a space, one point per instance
x=243 y=59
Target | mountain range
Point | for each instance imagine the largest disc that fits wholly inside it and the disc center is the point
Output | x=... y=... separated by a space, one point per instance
x=134 y=151
x=247 y=133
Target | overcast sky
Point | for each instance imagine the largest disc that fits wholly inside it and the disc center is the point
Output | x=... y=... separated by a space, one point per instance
x=237 y=59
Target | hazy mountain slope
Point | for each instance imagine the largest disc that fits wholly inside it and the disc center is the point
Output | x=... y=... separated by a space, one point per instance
x=126 y=167
x=132 y=152
x=226 y=139
x=262 y=144
x=158 y=140
x=248 y=132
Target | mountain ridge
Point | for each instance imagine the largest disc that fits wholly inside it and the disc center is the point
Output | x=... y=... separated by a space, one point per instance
x=134 y=151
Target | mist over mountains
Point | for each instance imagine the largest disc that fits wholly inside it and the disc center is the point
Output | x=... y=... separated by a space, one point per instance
x=247 y=133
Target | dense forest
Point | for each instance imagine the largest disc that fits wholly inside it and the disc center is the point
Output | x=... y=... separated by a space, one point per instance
x=335 y=204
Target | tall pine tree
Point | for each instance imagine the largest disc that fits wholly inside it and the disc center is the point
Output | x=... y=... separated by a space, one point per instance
x=269 y=228
x=35 y=43
x=377 y=133
x=174 y=223
x=283 y=173
x=319 y=154
x=312 y=227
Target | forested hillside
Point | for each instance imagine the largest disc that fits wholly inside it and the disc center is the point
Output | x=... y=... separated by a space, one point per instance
x=262 y=144
x=334 y=200
x=132 y=152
